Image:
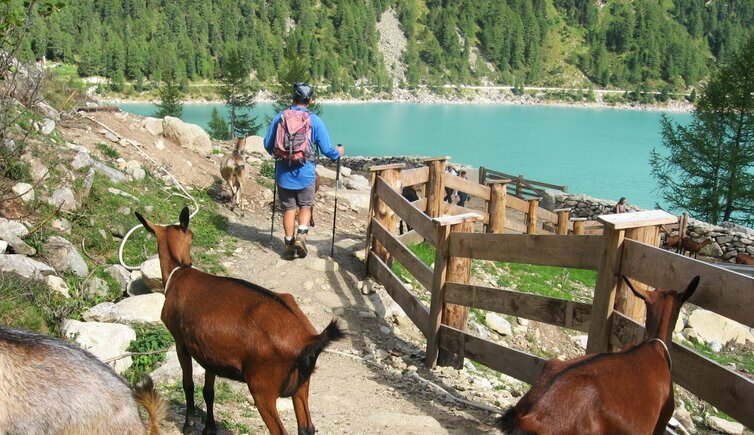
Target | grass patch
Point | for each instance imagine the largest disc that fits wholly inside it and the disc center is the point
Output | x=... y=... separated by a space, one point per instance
x=108 y=151
x=743 y=361
x=426 y=254
x=149 y=338
x=559 y=282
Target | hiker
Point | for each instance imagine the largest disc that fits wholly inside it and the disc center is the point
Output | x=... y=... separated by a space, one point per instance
x=448 y=191
x=463 y=196
x=620 y=207
x=292 y=139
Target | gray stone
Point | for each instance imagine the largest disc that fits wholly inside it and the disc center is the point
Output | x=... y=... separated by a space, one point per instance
x=345 y=171
x=103 y=340
x=88 y=182
x=255 y=144
x=96 y=287
x=113 y=174
x=13 y=228
x=141 y=309
x=723 y=240
x=498 y=324
x=104 y=312
x=684 y=418
x=24 y=266
x=25 y=191
x=115 y=191
x=138 y=174
x=189 y=136
x=325 y=173
x=58 y=285
x=724 y=426
x=82 y=160
x=711 y=250
x=9 y=232
x=153 y=125
x=37 y=170
x=64 y=257
x=713 y=327
x=111 y=136
x=48 y=126
x=120 y=274
x=151 y=273
x=356 y=182
x=63 y=198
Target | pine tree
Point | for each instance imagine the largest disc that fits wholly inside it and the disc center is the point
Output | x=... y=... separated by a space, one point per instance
x=170 y=99
x=218 y=127
x=708 y=166
x=237 y=92
x=295 y=71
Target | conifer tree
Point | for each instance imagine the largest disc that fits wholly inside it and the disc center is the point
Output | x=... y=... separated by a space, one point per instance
x=218 y=127
x=237 y=92
x=170 y=99
x=295 y=71
x=708 y=166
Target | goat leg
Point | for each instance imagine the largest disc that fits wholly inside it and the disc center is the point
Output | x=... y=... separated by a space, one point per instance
x=301 y=407
x=188 y=387
x=209 y=399
x=266 y=405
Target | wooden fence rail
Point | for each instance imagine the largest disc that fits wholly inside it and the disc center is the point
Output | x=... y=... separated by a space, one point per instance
x=626 y=246
x=519 y=186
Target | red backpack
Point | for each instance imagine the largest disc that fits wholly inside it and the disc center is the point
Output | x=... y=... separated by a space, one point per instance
x=293 y=138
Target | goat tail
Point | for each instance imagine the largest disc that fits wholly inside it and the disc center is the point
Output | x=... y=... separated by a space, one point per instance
x=308 y=357
x=145 y=393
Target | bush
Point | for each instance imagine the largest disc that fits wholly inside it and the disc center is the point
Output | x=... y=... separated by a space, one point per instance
x=268 y=169
x=149 y=338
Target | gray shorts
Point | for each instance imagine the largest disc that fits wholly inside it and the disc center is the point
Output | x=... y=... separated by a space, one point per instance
x=290 y=199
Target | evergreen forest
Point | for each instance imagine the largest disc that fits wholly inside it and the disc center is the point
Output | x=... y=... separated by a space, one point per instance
x=668 y=45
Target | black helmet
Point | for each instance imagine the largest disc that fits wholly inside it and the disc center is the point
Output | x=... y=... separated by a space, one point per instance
x=302 y=92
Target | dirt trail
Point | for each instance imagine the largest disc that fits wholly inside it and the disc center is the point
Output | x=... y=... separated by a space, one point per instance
x=365 y=384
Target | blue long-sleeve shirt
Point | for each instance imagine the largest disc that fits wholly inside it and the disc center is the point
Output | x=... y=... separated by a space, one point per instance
x=298 y=177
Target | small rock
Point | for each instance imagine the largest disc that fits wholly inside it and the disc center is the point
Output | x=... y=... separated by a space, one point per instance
x=498 y=324
x=58 y=285
x=64 y=257
x=120 y=274
x=97 y=287
x=111 y=137
x=3 y=246
x=724 y=426
x=159 y=144
x=104 y=312
x=716 y=346
x=63 y=196
x=138 y=174
x=684 y=418
x=384 y=329
x=345 y=171
x=25 y=190
x=82 y=160
x=25 y=266
x=308 y=285
x=141 y=309
x=48 y=127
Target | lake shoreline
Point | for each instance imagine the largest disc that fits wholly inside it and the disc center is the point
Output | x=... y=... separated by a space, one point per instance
x=496 y=96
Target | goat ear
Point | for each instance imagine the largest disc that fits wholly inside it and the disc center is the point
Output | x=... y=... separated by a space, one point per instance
x=640 y=293
x=144 y=221
x=184 y=218
x=690 y=289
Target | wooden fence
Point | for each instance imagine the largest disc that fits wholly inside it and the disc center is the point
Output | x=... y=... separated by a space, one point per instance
x=618 y=251
x=518 y=186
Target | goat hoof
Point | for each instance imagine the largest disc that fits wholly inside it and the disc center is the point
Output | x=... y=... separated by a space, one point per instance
x=188 y=427
x=209 y=430
x=306 y=430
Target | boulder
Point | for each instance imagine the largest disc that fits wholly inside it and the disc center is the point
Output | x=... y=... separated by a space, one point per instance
x=48 y=126
x=724 y=426
x=47 y=110
x=325 y=173
x=140 y=309
x=63 y=197
x=255 y=144
x=58 y=285
x=189 y=136
x=498 y=324
x=345 y=171
x=25 y=191
x=121 y=275
x=25 y=266
x=103 y=340
x=153 y=125
x=105 y=312
x=710 y=327
x=356 y=182
x=64 y=257
x=151 y=273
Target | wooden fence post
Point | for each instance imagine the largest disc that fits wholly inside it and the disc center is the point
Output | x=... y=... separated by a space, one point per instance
x=608 y=270
x=435 y=185
x=387 y=217
x=496 y=206
x=564 y=216
x=579 y=225
x=531 y=217
x=519 y=186
x=625 y=300
x=482 y=176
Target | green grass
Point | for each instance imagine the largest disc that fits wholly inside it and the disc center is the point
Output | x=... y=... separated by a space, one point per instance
x=149 y=338
x=426 y=254
x=108 y=150
x=743 y=361
x=17 y=303
x=563 y=283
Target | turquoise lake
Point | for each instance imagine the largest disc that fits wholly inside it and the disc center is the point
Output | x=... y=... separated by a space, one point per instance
x=603 y=153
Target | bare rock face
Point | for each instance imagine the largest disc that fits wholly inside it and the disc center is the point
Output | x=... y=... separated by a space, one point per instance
x=190 y=136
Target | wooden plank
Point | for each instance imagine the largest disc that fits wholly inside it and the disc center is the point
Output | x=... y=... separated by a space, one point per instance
x=725 y=389
x=453 y=219
x=412 y=177
x=723 y=291
x=580 y=252
x=410 y=215
x=553 y=311
x=512 y=362
x=420 y=204
x=410 y=238
x=453 y=209
x=457 y=183
x=400 y=252
x=547 y=215
x=411 y=305
x=600 y=325
x=519 y=204
x=386 y=167
x=515 y=226
x=437 y=299
x=639 y=219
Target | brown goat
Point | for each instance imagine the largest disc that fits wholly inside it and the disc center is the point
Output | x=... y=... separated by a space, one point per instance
x=50 y=386
x=745 y=259
x=692 y=246
x=237 y=330
x=617 y=393
x=233 y=170
x=672 y=242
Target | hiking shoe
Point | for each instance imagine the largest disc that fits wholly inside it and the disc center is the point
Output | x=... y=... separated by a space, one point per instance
x=300 y=243
x=290 y=250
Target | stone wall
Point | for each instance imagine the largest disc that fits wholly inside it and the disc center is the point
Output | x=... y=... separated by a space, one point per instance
x=728 y=240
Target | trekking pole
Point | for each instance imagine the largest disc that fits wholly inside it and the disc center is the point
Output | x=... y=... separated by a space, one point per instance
x=335 y=209
x=274 y=195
